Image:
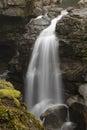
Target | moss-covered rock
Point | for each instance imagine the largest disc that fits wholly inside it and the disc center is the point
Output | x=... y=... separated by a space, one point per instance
x=13 y=113
x=5 y=85
x=9 y=93
x=17 y=119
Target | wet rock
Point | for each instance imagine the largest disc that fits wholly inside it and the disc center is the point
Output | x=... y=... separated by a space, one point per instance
x=75 y=99
x=83 y=92
x=54 y=116
x=34 y=27
x=77 y=116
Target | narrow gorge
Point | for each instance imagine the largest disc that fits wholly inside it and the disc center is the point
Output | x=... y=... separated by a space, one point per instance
x=20 y=27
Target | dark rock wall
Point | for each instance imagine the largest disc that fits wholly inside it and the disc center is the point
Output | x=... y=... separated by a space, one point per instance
x=13 y=18
x=72 y=31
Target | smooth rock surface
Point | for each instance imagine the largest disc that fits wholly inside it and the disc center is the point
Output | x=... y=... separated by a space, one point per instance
x=54 y=116
x=83 y=92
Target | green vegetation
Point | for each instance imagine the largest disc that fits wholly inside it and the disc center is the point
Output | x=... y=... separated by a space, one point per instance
x=5 y=85
x=9 y=93
x=13 y=113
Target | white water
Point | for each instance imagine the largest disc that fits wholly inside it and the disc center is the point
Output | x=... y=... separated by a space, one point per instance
x=43 y=75
x=68 y=126
x=68 y=115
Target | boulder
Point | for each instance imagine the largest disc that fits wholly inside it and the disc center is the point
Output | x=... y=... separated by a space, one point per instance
x=54 y=116
x=74 y=99
x=83 y=92
x=77 y=111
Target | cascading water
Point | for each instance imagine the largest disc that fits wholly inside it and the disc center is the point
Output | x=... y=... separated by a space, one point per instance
x=68 y=115
x=68 y=125
x=43 y=75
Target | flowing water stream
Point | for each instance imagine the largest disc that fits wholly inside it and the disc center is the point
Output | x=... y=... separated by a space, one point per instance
x=44 y=75
x=68 y=125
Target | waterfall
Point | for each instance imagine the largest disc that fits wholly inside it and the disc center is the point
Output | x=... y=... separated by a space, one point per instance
x=44 y=76
x=68 y=115
x=68 y=125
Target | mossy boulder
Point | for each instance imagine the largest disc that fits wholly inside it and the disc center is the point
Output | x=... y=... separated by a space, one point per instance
x=13 y=113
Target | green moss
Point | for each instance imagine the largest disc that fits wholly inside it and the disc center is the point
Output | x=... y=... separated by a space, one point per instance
x=13 y=114
x=16 y=119
x=9 y=93
x=84 y=58
x=16 y=102
x=83 y=52
x=4 y=84
x=16 y=124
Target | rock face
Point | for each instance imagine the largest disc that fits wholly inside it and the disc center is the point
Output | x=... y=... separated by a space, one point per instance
x=72 y=31
x=13 y=15
x=16 y=7
x=82 y=3
x=49 y=7
x=13 y=113
x=77 y=112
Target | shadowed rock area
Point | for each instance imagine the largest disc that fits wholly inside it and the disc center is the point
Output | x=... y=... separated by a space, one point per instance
x=72 y=32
